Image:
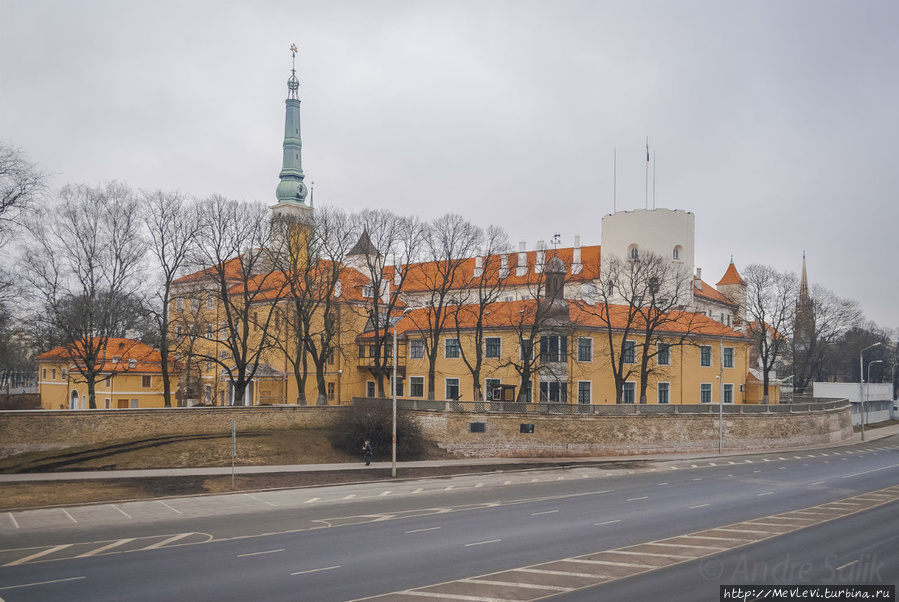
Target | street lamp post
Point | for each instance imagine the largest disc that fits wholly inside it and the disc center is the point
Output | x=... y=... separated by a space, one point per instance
x=893 y=387
x=868 y=387
x=861 y=386
x=393 y=394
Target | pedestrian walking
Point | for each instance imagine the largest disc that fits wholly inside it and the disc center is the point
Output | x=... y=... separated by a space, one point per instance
x=366 y=452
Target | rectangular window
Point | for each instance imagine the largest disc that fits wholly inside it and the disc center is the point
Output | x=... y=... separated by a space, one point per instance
x=630 y=352
x=451 y=347
x=664 y=389
x=452 y=388
x=477 y=427
x=53 y=372
x=44 y=374
x=554 y=392
x=705 y=393
x=416 y=349
x=208 y=365
x=146 y=381
x=629 y=393
x=361 y=351
x=210 y=301
x=585 y=349
x=529 y=391
x=223 y=354
x=489 y=385
x=64 y=374
x=179 y=304
x=209 y=331
x=416 y=386
x=526 y=351
x=553 y=348
x=584 y=391
x=400 y=387
x=705 y=355
x=728 y=357
x=331 y=357
x=664 y=355
x=370 y=388
x=492 y=347
x=728 y=393
x=368 y=290
x=107 y=403
x=223 y=333
x=331 y=389
x=134 y=403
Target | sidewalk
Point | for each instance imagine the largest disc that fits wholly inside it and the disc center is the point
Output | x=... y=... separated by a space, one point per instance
x=870 y=436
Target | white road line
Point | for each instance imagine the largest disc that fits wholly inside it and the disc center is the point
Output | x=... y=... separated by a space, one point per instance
x=448 y=487
x=41 y=583
x=313 y=499
x=686 y=545
x=748 y=462
x=729 y=462
x=868 y=471
x=766 y=493
x=507 y=483
x=560 y=478
x=38 y=555
x=419 y=490
x=634 y=499
x=64 y=511
x=698 y=479
x=383 y=493
x=555 y=588
x=562 y=573
x=747 y=531
x=420 y=530
x=169 y=507
x=122 y=511
x=105 y=548
x=547 y=512
x=608 y=522
x=431 y=595
x=612 y=563
x=260 y=500
x=478 y=485
x=535 y=480
x=260 y=553
x=480 y=543
x=818 y=483
x=698 y=506
x=693 y=466
x=352 y=495
x=674 y=468
x=166 y=542
x=755 y=471
x=660 y=484
x=840 y=568
x=712 y=464
x=327 y=568
x=13 y=519
x=712 y=537
x=766 y=459
x=784 y=467
x=656 y=554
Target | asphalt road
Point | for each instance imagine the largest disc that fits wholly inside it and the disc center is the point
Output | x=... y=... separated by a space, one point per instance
x=349 y=542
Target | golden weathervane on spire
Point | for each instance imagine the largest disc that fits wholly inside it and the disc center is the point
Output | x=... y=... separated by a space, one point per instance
x=293 y=47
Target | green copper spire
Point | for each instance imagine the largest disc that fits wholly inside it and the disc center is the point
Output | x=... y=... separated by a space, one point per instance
x=291 y=189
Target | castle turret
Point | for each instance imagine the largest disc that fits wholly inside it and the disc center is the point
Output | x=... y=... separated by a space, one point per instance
x=291 y=191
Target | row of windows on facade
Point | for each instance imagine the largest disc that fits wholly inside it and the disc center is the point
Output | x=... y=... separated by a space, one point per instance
x=191 y=302
x=553 y=348
x=633 y=251
x=146 y=380
x=552 y=391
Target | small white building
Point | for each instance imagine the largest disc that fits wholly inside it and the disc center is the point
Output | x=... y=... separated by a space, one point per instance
x=878 y=399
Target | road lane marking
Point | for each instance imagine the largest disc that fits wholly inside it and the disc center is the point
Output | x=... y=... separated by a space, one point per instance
x=41 y=583
x=687 y=545
x=554 y=588
x=609 y=562
x=654 y=554
x=383 y=493
x=13 y=519
x=260 y=500
x=122 y=511
x=166 y=542
x=102 y=549
x=608 y=522
x=634 y=499
x=480 y=543
x=352 y=495
x=478 y=485
x=870 y=471
x=660 y=484
x=448 y=487
x=507 y=483
x=698 y=506
x=260 y=553
x=419 y=490
x=169 y=507
x=818 y=483
x=765 y=493
x=840 y=568
x=563 y=573
x=327 y=568
x=547 y=512
x=312 y=499
x=420 y=530
x=64 y=511
x=38 y=555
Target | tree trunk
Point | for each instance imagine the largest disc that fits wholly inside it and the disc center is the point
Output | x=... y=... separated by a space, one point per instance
x=91 y=393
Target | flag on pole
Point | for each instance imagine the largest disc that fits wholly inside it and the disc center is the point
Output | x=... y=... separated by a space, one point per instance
x=647 y=149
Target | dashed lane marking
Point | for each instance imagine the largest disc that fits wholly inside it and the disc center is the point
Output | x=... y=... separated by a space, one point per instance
x=72 y=518
x=546 y=512
x=634 y=499
x=697 y=506
x=166 y=542
x=327 y=568
x=122 y=511
x=5 y=587
x=170 y=507
x=311 y=500
x=260 y=553
x=608 y=522
x=102 y=549
x=15 y=523
x=421 y=530
x=481 y=543
x=608 y=565
x=40 y=554
x=259 y=499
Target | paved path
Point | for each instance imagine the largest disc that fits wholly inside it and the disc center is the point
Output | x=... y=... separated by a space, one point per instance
x=870 y=435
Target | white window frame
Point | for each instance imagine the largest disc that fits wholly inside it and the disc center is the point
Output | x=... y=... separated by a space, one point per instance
x=659 y=354
x=724 y=357
x=629 y=345
x=412 y=346
x=711 y=356
x=371 y=388
x=487 y=346
x=589 y=384
x=667 y=393
x=422 y=385
x=728 y=387
x=446 y=347
x=446 y=385
x=633 y=389
x=487 y=382
x=521 y=345
x=579 y=339
x=702 y=389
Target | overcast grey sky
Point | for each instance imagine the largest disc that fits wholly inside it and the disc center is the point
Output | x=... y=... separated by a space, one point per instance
x=774 y=122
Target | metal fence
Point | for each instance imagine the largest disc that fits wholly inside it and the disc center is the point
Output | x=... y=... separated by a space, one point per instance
x=606 y=410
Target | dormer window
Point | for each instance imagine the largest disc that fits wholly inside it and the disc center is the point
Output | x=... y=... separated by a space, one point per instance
x=368 y=290
x=132 y=364
x=116 y=359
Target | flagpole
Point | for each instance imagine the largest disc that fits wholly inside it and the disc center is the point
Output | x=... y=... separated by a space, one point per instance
x=653 y=179
x=615 y=181
x=647 y=172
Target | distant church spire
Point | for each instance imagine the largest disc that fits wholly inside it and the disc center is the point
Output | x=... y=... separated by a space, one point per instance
x=803 y=284
x=291 y=190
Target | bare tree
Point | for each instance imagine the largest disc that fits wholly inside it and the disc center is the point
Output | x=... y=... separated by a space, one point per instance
x=486 y=288
x=770 y=304
x=308 y=319
x=173 y=224
x=232 y=244
x=395 y=243
x=21 y=183
x=815 y=338
x=84 y=264
x=448 y=243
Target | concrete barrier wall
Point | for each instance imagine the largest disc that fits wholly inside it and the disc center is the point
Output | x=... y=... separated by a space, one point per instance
x=628 y=435
x=553 y=435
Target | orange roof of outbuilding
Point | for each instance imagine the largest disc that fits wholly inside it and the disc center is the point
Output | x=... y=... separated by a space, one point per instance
x=146 y=358
x=731 y=276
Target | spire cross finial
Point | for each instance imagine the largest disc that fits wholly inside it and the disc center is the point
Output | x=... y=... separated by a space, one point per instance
x=293 y=83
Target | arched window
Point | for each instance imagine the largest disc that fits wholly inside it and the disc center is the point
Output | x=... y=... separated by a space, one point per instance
x=633 y=252
x=675 y=255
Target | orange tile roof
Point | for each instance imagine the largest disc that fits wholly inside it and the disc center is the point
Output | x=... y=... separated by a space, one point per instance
x=233 y=270
x=709 y=293
x=510 y=314
x=147 y=359
x=731 y=276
